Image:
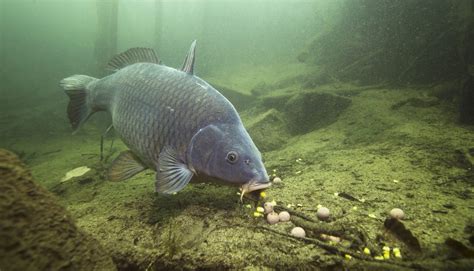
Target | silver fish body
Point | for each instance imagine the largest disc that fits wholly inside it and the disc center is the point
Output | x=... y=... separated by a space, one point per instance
x=173 y=122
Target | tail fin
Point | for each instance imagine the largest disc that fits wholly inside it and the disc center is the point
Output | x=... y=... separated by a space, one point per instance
x=78 y=110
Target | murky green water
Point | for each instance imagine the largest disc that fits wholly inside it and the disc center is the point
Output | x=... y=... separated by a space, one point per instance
x=358 y=106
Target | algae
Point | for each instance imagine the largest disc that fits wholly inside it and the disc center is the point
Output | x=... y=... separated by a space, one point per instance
x=36 y=233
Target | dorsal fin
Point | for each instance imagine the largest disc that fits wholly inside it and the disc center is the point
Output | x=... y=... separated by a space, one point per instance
x=188 y=65
x=132 y=56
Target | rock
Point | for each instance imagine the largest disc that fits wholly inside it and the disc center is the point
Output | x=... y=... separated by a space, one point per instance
x=36 y=233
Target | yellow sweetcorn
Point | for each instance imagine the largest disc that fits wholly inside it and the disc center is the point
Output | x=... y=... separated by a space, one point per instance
x=263 y=194
x=348 y=257
x=397 y=253
x=260 y=209
x=386 y=255
x=379 y=258
x=367 y=251
x=257 y=214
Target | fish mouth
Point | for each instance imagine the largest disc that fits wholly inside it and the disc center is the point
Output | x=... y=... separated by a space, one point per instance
x=252 y=186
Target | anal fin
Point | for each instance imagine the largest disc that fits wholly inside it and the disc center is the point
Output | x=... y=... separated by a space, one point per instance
x=125 y=166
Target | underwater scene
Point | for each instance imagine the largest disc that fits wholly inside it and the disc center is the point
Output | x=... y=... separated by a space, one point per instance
x=236 y=135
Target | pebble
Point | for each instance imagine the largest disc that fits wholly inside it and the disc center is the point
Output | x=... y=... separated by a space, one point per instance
x=298 y=232
x=284 y=216
x=397 y=213
x=273 y=218
x=323 y=213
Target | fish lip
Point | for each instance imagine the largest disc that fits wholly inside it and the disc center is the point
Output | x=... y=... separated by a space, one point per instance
x=252 y=186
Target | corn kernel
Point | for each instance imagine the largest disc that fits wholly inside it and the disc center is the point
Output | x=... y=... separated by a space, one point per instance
x=257 y=214
x=248 y=206
x=397 y=253
x=386 y=248
x=263 y=194
x=347 y=256
x=367 y=251
x=386 y=255
x=379 y=258
x=260 y=209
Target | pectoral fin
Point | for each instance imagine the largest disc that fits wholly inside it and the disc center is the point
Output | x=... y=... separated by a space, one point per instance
x=172 y=174
x=125 y=166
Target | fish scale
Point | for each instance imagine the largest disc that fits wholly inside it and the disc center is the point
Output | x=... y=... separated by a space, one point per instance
x=167 y=94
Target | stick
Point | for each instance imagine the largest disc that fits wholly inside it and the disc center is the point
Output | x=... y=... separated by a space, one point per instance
x=102 y=137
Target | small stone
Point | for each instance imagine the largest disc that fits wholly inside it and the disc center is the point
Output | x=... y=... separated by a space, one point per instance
x=268 y=207
x=323 y=213
x=277 y=180
x=397 y=213
x=298 y=232
x=284 y=216
x=273 y=218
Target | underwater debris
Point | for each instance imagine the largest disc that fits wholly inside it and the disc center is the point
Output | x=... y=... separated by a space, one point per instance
x=348 y=196
x=77 y=172
x=331 y=238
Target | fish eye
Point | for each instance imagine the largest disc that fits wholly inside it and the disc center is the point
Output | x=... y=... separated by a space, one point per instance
x=232 y=157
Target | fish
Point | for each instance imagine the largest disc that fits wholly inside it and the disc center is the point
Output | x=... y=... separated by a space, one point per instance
x=172 y=122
